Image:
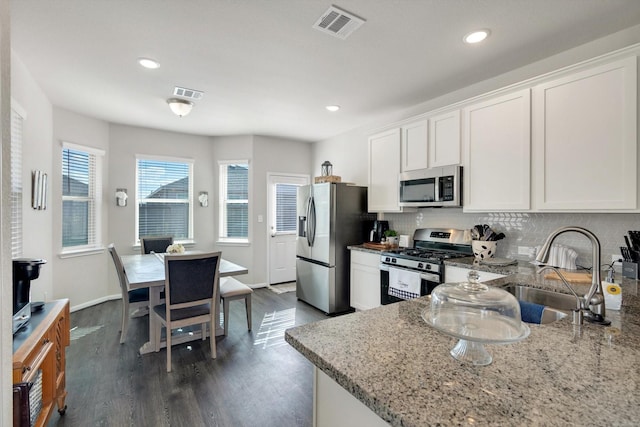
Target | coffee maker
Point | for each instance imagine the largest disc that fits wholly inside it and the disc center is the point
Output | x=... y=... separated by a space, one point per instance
x=24 y=271
x=377 y=232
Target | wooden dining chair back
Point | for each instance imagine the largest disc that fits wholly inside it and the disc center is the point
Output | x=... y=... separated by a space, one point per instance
x=191 y=289
x=136 y=299
x=157 y=244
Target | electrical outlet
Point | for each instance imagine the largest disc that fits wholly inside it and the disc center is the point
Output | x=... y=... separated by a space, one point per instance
x=615 y=258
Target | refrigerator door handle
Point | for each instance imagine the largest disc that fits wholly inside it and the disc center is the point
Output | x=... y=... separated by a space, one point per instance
x=312 y=221
x=306 y=223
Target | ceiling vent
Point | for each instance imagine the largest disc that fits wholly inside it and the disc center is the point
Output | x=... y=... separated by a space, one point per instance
x=338 y=23
x=188 y=93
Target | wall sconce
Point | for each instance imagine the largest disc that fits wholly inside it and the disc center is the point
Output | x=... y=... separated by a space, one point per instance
x=121 y=197
x=204 y=199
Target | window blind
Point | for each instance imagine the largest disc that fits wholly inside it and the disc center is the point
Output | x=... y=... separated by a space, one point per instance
x=16 y=184
x=164 y=198
x=81 y=193
x=286 y=207
x=234 y=201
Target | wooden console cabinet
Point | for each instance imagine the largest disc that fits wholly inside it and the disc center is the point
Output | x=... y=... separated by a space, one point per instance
x=39 y=349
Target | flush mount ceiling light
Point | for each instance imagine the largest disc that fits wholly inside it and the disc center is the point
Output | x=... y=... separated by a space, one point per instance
x=476 y=36
x=149 y=63
x=332 y=108
x=180 y=107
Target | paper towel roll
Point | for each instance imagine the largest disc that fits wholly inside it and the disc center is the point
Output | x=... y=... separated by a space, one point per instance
x=403 y=242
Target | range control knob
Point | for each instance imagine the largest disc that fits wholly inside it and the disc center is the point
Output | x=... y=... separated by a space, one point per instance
x=420 y=265
x=428 y=266
x=387 y=259
x=393 y=260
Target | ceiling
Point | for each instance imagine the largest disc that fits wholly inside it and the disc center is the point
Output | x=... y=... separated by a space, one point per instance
x=265 y=71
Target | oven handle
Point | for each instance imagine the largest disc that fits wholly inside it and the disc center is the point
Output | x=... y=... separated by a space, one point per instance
x=431 y=277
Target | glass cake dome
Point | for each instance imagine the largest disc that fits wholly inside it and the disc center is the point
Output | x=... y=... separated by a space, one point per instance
x=477 y=314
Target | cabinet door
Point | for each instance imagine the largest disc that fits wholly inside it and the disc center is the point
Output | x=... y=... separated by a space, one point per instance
x=585 y=143
x=384 y=168
x=365 y=280
x=415 y=139
x=444 y=139
x=497 y=142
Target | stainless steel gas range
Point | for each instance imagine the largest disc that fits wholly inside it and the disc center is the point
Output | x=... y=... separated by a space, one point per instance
x=407 y=273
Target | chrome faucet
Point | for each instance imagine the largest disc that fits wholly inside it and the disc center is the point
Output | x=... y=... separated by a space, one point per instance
x=594 y=298
x=578 y=312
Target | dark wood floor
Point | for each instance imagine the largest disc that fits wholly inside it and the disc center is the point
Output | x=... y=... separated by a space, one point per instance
x=256 y=380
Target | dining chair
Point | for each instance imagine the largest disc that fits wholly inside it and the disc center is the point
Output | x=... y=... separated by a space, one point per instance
x=157 y=244
x=230 y=290
x=191 y=288
x=135 y=299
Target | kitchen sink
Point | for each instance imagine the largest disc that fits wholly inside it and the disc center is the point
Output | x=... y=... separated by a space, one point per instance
x=557 y=305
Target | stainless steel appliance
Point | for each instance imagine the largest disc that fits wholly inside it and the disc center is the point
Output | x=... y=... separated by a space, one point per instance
x=437 y=187
x=24 y=271
x=378 y=230
x=425 y=260
x=330 y=217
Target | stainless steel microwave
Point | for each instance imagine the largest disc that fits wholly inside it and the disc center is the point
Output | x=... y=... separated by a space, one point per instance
x=437 y=187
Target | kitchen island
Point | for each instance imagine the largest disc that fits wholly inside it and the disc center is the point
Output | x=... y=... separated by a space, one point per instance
x=399 y=368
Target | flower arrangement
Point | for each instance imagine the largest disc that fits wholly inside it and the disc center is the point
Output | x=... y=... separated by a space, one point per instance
x=176 y=248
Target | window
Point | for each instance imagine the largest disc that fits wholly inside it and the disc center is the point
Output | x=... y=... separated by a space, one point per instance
x=16 y=183
x=234 y=201
x=81 y=197
x=164 y=198
x=286 y=208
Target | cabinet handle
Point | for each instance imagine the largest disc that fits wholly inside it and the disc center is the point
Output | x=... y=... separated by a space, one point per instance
x=45 y=341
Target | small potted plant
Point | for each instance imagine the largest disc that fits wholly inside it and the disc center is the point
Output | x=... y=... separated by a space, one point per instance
x=391 y=237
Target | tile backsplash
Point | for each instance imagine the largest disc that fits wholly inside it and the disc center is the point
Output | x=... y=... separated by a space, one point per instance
x=528 y=229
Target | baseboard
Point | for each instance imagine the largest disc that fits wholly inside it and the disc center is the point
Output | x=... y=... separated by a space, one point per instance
x=95 y=302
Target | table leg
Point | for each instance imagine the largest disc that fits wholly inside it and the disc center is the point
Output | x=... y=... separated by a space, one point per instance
x=154 y=299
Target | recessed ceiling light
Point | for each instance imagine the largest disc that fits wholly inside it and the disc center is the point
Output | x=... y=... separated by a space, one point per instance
x=149 y=63
x=333 y=108
x=476 y=36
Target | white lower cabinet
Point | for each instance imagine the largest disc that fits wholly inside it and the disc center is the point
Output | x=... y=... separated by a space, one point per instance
x=458 y=274
x=365 y=280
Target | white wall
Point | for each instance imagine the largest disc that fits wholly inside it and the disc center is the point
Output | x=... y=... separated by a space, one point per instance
x=37 y=148
x=82 y=279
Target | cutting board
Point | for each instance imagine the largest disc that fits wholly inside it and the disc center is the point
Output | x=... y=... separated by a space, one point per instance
x=378 y=246
x=584 y=278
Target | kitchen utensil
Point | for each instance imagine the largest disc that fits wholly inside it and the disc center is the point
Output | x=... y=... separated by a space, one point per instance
x=626 y=240
x=625 y=253
x=635 y=240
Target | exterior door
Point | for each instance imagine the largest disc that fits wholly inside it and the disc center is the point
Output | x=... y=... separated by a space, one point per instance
x=282 y=221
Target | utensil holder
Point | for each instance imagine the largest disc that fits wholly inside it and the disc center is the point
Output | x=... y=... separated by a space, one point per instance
x=483 y=249
x=630 y=270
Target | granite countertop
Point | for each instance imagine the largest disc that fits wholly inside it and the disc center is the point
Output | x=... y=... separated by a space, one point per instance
x=400 y=368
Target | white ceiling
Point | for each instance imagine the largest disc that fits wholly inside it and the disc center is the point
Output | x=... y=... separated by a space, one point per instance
x=265 y=71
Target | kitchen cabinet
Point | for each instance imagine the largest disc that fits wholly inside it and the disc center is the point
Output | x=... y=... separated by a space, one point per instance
x=458 y=274
x=497 y=143
x=39 y=357
x=384 y=168
x=365 y=280
x=584 y=139
x=415 y=138
x=444 y=139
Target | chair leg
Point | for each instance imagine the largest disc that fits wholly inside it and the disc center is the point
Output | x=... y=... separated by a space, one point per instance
x=212 y=336
x=247 y=304
x=125 y=321
x=168 y=349
x=157 y=334
x=203 y=331
x=226 y=317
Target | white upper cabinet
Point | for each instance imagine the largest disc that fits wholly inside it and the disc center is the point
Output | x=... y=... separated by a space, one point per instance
x=584 y=140
x=414 y=145
x=444 y=139
x=384 y=168
x=497 y=143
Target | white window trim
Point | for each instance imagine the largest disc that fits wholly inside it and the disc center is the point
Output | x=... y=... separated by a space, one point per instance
x=97 y=246
x=232 y=241
x=190 y=238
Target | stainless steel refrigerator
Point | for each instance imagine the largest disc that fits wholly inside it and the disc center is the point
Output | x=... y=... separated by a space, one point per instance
x=330 y=218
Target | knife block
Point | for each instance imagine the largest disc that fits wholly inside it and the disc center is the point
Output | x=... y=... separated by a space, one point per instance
x=630 y=270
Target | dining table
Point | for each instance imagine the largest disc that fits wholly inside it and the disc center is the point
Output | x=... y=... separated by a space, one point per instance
x=147 y=271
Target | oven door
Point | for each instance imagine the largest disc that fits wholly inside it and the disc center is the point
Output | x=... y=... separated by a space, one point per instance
x=428 y=281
